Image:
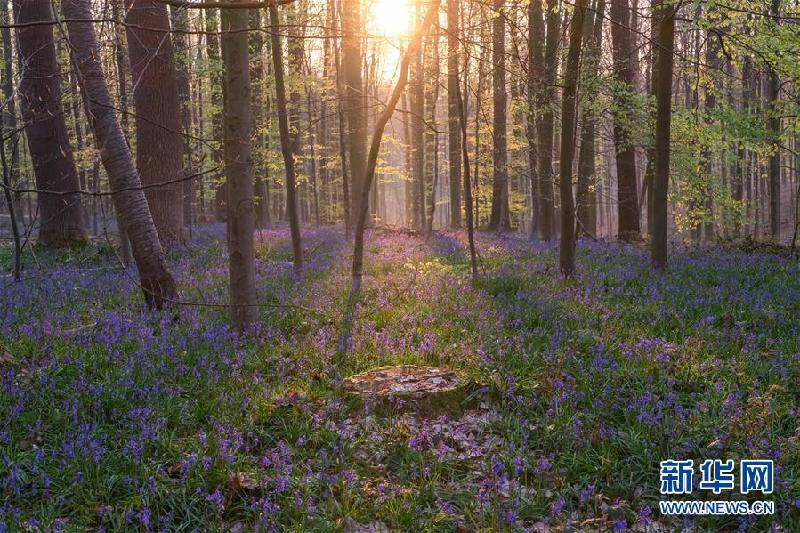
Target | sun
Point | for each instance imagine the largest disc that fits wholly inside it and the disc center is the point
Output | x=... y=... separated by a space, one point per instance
x=389 y=18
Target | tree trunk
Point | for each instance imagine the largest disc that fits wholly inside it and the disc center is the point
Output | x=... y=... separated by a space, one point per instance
x=544 y=126
x=9 y=113
x=568 y=112
x=129 y=200
x=286 y=141
x=217 y=94
x=453 y=119
x=354 y=101
x=60 y=215
x=417 y=101
x=159 y=145
x=462 y=116
x=536 y=36
x=664 y=16
x=180 y=22
x=624 y=67
x=499 y=219
x=237 y=127
x=774 y=127
x=260 y=120
x=587 y=179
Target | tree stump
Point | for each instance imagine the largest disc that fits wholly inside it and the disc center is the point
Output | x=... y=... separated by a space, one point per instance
x=427 y=391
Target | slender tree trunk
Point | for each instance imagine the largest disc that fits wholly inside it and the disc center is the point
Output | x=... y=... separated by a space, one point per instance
x=774 y=127
x=664 y=16
x=126 y=254
x=499 y=219
x=313 y=177
x=260 y=121
x=129 y=200
x=624 y=67
x=286 y=141
x=60 y=215
x=16 y=272
x=568 y=115
x=180 y=22
x=9 y=114
x=159 y=146
x=651 y=150
x=473 y=255
x=587 y=179
x=417 y=100
x=217 y=91
x=742 y=159
x=453 y=119
x=237 y=127
x=342 y=110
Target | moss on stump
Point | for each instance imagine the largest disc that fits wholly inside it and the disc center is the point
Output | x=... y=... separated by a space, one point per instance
x=426 y=391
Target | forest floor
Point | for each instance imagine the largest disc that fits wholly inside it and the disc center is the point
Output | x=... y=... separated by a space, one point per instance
x=115 y=418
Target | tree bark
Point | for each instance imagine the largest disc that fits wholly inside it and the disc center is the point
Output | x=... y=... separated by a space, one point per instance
x=286 y=141
x=417 y=101
x=453 y=118
x=536 y=34
x=664 y=16
x=260 y=119
x=499 y=219
x=9 y=114
x=544 y=126
x=354 y=98
x=237 y=127
x=774 y=127
x=60 y=215
x=129 y=200
x=568 y=113
x=159 y=145
x=180 y=22
x=624 y=68
x=587 y=196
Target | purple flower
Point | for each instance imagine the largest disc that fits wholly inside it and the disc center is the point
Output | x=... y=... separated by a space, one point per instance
x=557 y=506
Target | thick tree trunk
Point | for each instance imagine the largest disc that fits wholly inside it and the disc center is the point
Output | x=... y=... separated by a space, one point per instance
x=129 y=200
x=286 y=141
x=159 y=145
x=536 y=35
x=568 y=113
x=624 y=67
x=664 y=16
x=453 y=119
x=60 y=215
x=499 y=219
x=544 y=126
x=237 y=127
x=354 y=101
